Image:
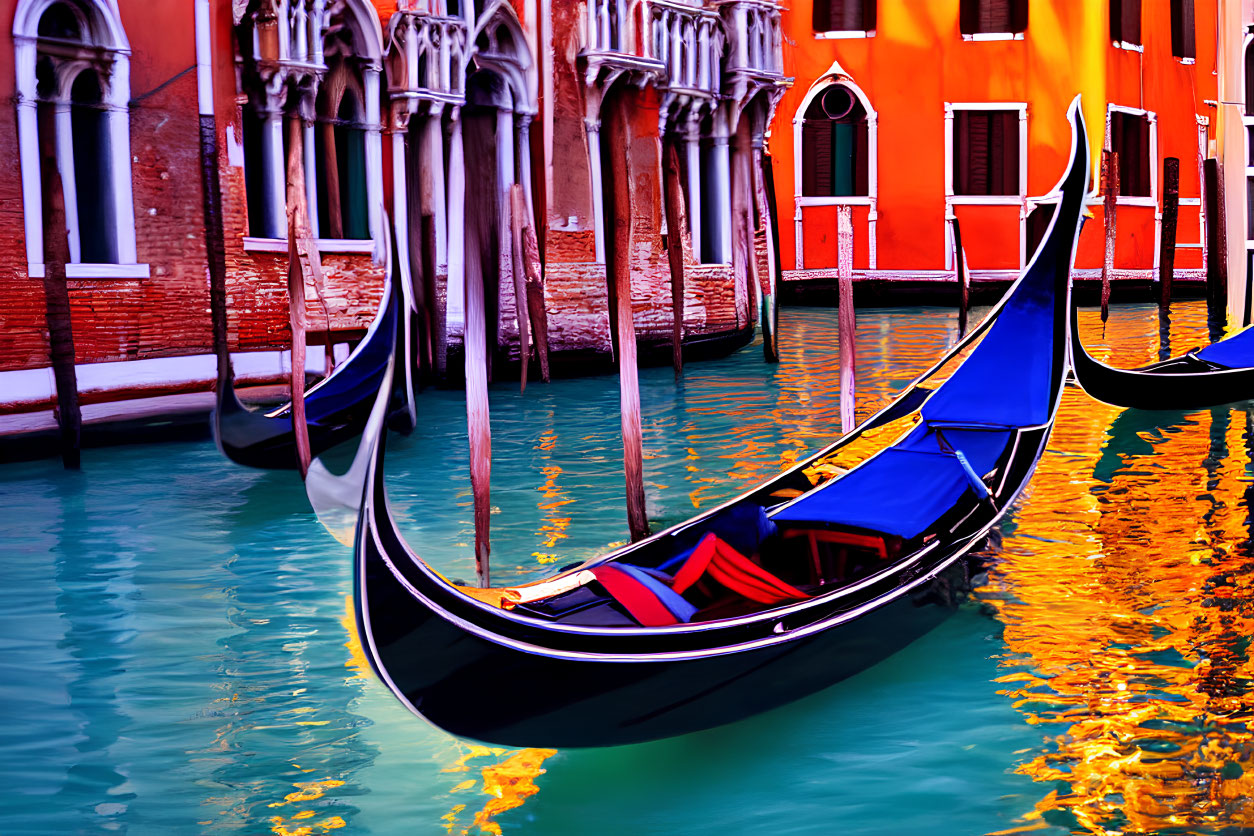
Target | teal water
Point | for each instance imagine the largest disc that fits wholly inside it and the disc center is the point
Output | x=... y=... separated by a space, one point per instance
x=176 y=659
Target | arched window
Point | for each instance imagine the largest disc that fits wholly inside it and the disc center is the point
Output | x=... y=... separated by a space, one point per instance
x=324 y=70
x=834 y=145
x=71 y=62
x=94 y=193
x=340 y=157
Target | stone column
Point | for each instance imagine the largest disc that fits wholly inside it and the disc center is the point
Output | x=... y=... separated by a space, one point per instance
x=593 y=127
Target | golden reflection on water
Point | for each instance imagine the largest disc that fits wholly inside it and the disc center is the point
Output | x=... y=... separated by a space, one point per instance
x=1124 y=595
x=508 y=783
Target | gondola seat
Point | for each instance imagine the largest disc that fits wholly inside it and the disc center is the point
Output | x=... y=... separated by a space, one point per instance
x=655 y=599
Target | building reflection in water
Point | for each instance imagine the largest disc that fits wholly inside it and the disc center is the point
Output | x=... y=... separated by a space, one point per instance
x=1126 y=593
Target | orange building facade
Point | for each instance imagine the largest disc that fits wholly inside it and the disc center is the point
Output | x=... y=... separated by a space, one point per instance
x=916 y=112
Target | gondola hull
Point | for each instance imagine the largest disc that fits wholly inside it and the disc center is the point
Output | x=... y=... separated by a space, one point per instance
x=1179 y=383
x=517 y=684
x=477 y=689
x=336 y=409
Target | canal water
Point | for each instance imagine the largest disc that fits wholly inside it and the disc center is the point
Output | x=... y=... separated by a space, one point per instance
x=178 y=654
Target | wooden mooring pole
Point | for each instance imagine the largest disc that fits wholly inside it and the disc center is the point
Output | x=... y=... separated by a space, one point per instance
x=57 y=298
x=962 y=277
x=619 y=136
x=1167 y=243
x=296 y=212
x=1216 y=251
x=1110 y=187
x=529 y=251
x=676 y=223
x=517 y=214
x=770 y=308
x=480 y=205
x=846 y=317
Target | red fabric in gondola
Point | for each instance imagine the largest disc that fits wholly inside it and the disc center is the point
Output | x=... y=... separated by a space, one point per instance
x=734 y=571
x=639 y=601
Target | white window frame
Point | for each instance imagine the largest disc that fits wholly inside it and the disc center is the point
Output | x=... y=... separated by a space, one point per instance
x=1152 y=118
x=952 y=200
x=844 y=34
x=103 y=30
x=993 y=36
x=985 y=200
x=836 y=75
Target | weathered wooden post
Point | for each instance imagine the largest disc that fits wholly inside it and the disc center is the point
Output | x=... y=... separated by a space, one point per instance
x=1110 y=186
x=743 y=262
x=296 y=211
x=57 y=297
x=1167 y=243
x=479 y=207
x=962 y=277
x=619 y=135
x=846 y=317
x=1216 y=251
x=530 y=254
x=517 y=211
x=675 y=225
x=434 y=339
x=770 y=311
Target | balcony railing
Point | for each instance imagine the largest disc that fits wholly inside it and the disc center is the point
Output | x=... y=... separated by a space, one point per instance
x=688 y=40
x=686 y=46
x=426 y=57
x=756 y=41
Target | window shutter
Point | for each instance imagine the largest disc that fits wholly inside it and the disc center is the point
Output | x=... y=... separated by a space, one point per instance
x=1249 y=81
x=1018 y=15
x=822 y=12
x=1143 y=157
x=1125 y=21
x=861 y=158
x=969 y=17
x=816 y=158
x=1007 y=153
x=971 y=167
x=843 y=15
x=868 y=15
x=994 y=15
x=1182 y=29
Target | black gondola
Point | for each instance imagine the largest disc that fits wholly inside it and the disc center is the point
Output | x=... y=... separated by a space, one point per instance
x=336 y=407
x=1220 y=373
x=682 y=631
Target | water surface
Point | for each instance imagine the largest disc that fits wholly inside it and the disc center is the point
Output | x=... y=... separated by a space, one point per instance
x=178 y=658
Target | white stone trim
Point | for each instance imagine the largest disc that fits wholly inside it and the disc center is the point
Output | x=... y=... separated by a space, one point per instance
x=993 y=36
x=325 y=245
x=204 y=60
x=107 y=271
x=844 y=34
x=26 y=386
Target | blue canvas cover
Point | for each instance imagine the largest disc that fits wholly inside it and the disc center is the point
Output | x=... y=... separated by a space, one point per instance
x=898 y=492
x=1236 y=352
x=982 y=448
x=1007 y=379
